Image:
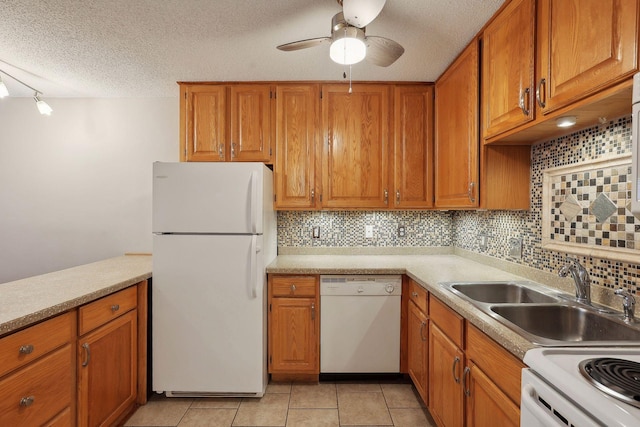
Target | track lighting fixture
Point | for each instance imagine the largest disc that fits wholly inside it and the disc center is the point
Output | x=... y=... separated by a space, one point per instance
x=43 y=107
x=3 y=89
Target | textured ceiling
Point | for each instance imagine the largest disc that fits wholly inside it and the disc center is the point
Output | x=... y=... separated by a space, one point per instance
x=140 y=48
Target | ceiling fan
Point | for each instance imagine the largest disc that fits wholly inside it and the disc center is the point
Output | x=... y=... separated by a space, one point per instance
x=349 y=44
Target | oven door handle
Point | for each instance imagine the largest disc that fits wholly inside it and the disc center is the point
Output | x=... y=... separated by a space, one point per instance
x=528 y=399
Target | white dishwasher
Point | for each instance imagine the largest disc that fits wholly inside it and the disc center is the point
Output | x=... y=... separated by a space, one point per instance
x=360 y=324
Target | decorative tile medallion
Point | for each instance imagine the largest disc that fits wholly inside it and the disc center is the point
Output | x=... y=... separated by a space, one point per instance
x=584 y=210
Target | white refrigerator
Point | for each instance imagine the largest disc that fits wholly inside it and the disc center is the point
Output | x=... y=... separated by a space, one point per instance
x=214 y=232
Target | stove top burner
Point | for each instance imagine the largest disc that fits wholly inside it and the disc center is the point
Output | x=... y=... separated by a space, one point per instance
x=617 y=377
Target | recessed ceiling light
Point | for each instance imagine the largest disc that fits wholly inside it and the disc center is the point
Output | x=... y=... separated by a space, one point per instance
x=566 y=121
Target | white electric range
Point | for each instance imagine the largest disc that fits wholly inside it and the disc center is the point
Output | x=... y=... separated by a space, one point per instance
x=556 y=392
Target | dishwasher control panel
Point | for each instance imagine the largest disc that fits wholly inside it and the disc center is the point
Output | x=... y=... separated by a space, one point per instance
x=361 y=285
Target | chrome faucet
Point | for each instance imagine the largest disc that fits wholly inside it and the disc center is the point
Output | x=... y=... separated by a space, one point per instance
x=580 y=278
x=628 y=304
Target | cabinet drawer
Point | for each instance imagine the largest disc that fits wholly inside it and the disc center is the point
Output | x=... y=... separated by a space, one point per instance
x=449 y=322
x=502 y=367
x=418 y=295
x=293 y=286
x=39 y=391
x=22 y=347
x=103 y=310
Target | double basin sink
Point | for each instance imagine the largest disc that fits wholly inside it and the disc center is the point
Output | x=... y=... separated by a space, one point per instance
x=547 y=317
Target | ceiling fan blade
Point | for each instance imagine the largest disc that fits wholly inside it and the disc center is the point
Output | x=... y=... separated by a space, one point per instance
x=303 y=44
x=382 y=51
x=360 y=13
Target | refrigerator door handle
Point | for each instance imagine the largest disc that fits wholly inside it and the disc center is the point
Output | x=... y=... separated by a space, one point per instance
x=254 y=202
x=255 y=249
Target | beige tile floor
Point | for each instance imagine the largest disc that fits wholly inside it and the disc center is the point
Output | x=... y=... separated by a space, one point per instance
x=298 y=405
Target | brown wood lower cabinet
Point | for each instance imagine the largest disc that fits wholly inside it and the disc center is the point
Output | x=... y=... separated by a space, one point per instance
x=107 y=369
x=294 y=323
x=418 y=339
x=50 y=376
x=473 y=381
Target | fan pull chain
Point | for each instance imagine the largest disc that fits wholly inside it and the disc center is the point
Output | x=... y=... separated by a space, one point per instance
x=350 y=89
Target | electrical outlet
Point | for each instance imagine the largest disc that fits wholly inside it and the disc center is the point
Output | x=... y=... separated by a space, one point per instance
x=515 y=247
x=316 y=232
x=401 y=231
x=368 y=231
x=483 y=240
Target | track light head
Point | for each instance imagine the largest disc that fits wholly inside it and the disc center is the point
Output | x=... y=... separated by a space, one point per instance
x=43 y=107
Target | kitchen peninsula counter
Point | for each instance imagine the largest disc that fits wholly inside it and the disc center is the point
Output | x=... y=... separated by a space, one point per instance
x=428 y=270
x=27 y=301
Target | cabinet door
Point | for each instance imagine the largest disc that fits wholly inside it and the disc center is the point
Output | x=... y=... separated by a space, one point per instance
x=446 y=362
x=585 y=46
x=456 y=141
x=418 y=349
x=413 y=147
x=487 y=405
x=355 y=159
x=293 y=336
x=251 y=123
x=203 y=123
x=107 y=371
x=296 y=135
x=508 y=68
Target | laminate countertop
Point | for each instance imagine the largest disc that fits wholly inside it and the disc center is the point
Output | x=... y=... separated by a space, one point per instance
x=428 y=271
x=27 y=301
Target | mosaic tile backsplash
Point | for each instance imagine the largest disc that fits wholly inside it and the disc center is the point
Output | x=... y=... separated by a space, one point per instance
x=462 y=228
x=581 y=148
x=347 y=228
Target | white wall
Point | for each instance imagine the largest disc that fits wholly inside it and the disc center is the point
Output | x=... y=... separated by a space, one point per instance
x=75 y=187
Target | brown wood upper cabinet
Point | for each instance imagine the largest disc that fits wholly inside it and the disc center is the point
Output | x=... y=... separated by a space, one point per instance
x=583 y=47
x=584 y=55
x=508 y=67
x=296 y=130
x=225 y=122
x=456 y=128
x=413 y=146
x=355 y=161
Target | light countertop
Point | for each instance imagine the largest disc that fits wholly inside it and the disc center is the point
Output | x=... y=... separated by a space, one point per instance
x=428 y=271
x=30 y=300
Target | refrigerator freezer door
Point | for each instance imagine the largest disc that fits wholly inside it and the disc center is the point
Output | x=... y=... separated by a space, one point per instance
x=209 y=197
x=209 y=319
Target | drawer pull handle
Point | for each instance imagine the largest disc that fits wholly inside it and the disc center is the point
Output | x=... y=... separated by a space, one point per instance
x=27 y=401
x=414 y=294
x=313 y=311
x=87 y=351
x=115 y=307
x=422 y=325
x=293 y=288
x=26 y=349
x=453 y=369
x=465 y=382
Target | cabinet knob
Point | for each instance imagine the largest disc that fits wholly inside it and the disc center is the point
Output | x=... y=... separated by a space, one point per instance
x=27 y=401
x=414 y=294
x=221 y=151
x=26 y=349
x=115 y=307
x=397 y=197
x=313 y=311
x=233 y=149
x=386 y=197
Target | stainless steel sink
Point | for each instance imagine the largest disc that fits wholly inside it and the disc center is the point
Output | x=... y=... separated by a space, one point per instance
x=555 y=324
x=502 y=292
x=545 y=316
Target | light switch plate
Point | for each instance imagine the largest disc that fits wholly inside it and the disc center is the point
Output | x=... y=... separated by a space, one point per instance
x=316 y=232
x=515 y=247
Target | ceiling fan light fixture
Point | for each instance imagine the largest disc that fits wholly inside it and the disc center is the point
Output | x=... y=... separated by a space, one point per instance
x=43 y=107
x=350 y=48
